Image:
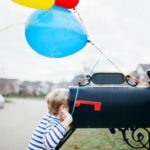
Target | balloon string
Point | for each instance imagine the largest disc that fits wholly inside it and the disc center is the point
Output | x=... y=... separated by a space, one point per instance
x=76 y=97
x=81 y=20
x=93 y=44
x=12 y=25
x=108 y=59
x=92 y=70
x=6 y=27
x=22 y=23
x=77 y=91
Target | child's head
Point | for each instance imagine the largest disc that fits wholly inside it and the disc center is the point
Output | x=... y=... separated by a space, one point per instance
x=57 y=99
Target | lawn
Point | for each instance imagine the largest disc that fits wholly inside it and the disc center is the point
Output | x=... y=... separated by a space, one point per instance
x=95 y=139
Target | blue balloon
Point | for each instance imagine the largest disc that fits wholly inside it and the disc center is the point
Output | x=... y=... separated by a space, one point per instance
x=55 y=33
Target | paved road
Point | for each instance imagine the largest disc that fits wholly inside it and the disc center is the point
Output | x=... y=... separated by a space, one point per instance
x=18 y=121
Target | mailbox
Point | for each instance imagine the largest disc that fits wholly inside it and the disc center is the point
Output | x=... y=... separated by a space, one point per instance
x=124 y=107
x=110 y=107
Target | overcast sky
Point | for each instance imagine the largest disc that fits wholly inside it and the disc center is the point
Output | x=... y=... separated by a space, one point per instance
x=120 y=28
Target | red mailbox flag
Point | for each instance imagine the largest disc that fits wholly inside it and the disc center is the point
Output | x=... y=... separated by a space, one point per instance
x=97 y=105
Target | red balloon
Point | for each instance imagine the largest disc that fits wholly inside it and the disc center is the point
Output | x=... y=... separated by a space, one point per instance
x=69 y=4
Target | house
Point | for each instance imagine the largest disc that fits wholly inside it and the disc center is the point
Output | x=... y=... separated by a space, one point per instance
x=9 y=86
x=141 y=72
x=35 y=88
x=25 y=88
x=78 y=79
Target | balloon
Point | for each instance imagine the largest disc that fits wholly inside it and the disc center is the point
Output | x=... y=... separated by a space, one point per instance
x=55 y=33
x=69 y=4
x=38 y=4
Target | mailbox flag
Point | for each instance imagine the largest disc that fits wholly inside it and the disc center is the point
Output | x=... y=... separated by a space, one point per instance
x=97 y=105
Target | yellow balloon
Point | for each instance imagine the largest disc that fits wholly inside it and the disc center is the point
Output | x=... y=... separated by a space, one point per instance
x=38 y=4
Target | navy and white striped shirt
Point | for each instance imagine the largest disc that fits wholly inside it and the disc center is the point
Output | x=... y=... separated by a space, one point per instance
x=48 y=134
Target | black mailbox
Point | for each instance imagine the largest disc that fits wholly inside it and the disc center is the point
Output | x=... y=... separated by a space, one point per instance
x=123 y=107
x=110 y=107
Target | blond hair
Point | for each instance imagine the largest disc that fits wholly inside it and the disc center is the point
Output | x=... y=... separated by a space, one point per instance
x=56 y=98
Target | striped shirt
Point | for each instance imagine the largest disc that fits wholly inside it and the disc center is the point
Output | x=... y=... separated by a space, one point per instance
x=49 y=132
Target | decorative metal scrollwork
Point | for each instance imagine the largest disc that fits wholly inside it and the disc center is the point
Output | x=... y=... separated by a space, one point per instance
x=136 y=137
x=131 y=81
x=88 y=81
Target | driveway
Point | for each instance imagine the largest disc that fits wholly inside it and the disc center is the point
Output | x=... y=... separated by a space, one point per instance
x=18 y=120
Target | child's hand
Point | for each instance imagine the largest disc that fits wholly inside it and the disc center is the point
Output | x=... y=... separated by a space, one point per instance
x=67 y=116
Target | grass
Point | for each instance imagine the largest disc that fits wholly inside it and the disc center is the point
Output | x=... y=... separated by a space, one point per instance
x=95 y=139
x=19 y=97
x=9 y=99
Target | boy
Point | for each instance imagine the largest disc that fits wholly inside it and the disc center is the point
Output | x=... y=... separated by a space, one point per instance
x=53 y=126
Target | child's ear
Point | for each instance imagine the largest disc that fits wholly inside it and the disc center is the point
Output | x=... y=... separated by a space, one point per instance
x=62 y=107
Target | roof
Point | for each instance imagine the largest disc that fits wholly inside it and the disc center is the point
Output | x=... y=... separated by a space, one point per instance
x=145 y=67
